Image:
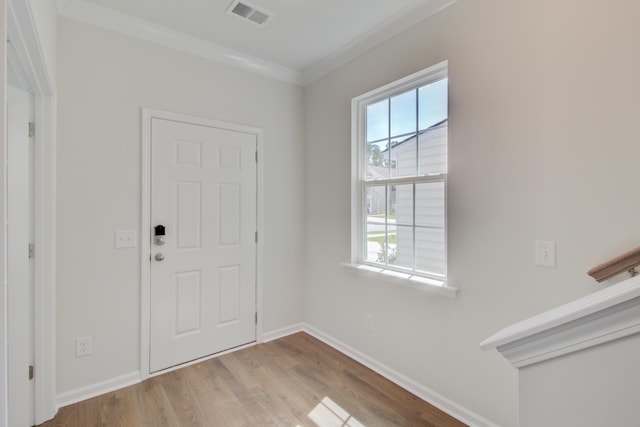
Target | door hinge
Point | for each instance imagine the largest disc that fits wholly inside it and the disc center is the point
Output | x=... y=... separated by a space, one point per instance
x=256 y=317
x=256 y=237
x=256 y=156
x=30 y=372
x=32 y=130
x=32 y=250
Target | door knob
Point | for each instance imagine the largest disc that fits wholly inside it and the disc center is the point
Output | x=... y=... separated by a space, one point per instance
x=159 y=257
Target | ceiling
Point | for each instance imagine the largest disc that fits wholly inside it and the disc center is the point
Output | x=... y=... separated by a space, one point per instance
x=303 y=40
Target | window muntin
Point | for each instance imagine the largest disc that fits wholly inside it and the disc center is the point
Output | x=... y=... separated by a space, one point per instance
x=402 y=182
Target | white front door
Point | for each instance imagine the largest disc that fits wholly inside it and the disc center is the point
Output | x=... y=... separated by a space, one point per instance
x=203 y=271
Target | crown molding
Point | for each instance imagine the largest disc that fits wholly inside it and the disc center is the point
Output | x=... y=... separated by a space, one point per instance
x=83 y=11
x=80 y=10
x=24 y=49
x=607 y=315
x=391 y=27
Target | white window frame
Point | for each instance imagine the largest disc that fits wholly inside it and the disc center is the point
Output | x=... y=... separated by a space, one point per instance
x=358 y=173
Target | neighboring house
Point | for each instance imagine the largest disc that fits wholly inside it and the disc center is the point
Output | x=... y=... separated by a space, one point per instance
x=534 y=93
x=375 y=196
x=430 y=211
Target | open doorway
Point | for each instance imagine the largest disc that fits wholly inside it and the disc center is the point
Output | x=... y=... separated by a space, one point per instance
x=20 y=272
x=35 y=306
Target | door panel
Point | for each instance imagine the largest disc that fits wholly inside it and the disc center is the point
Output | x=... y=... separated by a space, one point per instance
x=203 y=292
x=20 y=333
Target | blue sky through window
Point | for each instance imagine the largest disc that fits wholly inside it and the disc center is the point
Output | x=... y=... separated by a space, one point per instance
x=403 y=113
x=378 y=120
x=433 y=103
x=432 y=108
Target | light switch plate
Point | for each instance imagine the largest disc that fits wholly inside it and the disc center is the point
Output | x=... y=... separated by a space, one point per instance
x=545 y=253
x=125 y=239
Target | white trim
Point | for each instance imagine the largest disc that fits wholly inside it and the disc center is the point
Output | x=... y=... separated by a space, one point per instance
x=281 y=333
x=145 y=243
x=83 y=11
x=439 y=401
x=145 y=225
x=423 y=77
x=97 y=389
x=405 y=279
x=109 y=19
x=27 y=54
x=4 y=374
x=609 y=314
x=45 y=260
x=260 y=226
x=402 y=21
x=107 y=386
x=357 y=165
x=25 y=47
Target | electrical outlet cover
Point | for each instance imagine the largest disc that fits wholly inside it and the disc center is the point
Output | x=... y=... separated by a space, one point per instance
x=83 y=346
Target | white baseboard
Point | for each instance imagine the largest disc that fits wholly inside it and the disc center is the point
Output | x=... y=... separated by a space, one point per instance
x=423 y=392
x=283 y=332
x=444 y=404
x=93 y=390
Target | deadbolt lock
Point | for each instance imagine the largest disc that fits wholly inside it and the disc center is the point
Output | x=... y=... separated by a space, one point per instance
x=160 y=234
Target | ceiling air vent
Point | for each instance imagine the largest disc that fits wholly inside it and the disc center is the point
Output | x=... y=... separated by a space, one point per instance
x=249 y=12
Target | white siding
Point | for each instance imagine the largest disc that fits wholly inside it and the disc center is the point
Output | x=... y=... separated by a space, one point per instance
x=430 y=246
x=433 y=152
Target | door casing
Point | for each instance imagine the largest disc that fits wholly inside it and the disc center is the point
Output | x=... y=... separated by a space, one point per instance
x=19 y=272
x=145 y=226
x=25 y=53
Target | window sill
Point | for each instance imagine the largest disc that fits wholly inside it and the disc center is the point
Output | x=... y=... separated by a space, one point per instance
x=405 y=279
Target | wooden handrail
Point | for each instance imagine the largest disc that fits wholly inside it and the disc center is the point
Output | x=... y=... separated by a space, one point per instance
x=617 y=265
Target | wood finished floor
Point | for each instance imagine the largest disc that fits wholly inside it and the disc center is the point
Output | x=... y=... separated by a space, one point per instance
x=294 y=381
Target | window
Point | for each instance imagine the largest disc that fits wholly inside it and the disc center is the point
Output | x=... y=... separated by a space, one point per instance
x=399 y=154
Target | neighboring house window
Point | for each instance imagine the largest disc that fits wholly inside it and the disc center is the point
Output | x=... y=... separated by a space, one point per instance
x=399 y=157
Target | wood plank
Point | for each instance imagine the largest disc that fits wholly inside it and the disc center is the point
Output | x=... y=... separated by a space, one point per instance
x=293 y=381
x=615 y=266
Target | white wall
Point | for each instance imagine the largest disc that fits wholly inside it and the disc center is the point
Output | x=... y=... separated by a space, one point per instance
x=543 y=146
x=103 y=81
x=591 y=388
